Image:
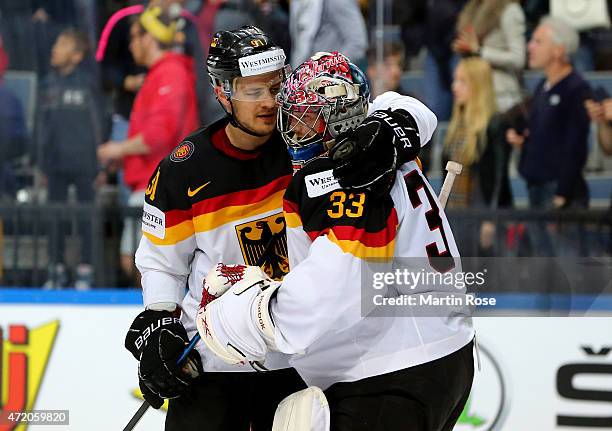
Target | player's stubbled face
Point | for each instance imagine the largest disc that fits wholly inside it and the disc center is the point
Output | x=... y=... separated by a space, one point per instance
x=254 y=102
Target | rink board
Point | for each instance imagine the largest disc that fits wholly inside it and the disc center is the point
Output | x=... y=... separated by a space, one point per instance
x=536 y=372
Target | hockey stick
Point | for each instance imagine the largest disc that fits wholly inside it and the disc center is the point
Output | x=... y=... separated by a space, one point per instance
x=453 y=169
x=192 y=343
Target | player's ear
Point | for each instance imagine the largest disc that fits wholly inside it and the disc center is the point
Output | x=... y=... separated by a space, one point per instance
x=223 y=98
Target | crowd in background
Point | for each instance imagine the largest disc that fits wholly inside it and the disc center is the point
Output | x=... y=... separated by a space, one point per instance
x=113 y=97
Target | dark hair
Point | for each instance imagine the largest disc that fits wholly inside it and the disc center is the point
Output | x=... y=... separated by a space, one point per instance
x=81 y=41
x=390 y=49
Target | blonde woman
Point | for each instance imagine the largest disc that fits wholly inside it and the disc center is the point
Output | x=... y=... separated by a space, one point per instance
x=475 y=138
x=495 y=31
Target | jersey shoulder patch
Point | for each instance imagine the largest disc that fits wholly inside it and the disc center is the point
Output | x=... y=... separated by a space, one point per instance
x=182 y=151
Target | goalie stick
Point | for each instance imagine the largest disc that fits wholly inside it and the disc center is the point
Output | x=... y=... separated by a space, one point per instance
x=453 y=169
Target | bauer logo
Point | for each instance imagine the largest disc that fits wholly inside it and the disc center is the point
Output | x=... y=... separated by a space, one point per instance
x=24 y=354
x=487 y=401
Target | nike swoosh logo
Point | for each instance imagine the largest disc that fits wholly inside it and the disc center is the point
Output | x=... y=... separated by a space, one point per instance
x=192 y=193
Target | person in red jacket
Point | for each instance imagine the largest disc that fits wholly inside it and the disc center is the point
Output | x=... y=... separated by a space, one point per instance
x=165 y=111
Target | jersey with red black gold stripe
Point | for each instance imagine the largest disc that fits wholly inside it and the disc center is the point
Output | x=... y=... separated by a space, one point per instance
x=360 y=223
x=325 y=313
x=225 y=203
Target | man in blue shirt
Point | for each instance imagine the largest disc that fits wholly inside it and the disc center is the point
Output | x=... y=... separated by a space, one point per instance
x=554 y=147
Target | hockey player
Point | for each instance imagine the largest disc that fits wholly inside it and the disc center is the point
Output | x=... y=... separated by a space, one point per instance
x=220 y=193
x=384 y=373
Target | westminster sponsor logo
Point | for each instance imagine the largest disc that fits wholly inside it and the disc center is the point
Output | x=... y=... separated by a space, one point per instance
x=153 y=221
x=321 y=183
x=263 y=62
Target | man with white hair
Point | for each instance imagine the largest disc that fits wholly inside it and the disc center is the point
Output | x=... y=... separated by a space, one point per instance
x=554 y=146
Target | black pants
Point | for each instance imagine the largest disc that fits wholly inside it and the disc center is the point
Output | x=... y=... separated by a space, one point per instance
x=428 y=397
x=232 y=401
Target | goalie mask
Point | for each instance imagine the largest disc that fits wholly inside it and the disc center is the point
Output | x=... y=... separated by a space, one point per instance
x=323 y=97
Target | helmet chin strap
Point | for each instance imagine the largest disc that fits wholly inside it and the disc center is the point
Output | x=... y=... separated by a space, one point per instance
x=234 y=122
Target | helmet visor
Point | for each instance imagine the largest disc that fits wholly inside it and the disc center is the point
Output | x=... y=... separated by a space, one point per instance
x=257 y=88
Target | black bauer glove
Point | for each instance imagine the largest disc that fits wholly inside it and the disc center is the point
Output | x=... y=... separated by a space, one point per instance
x=368 y=156
x=157 y=340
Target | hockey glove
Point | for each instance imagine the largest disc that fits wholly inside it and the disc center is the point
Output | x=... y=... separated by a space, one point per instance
x=368 y=156
x=157 y=340
x=237 y=326
x=222 y=277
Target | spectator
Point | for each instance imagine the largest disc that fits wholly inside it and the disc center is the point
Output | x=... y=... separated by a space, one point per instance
x=326 y=25
x=272 y=19
x=120 y=74
x=495 y=30
x=122 y=78
x=13 y=135
x=386 y=76
x=441 y=22
x=410 y=17
x=534 y=11
x=18 y=33
x=165 y=110
x=601 y=114
x=69 y=96
x=187 y=41
x=475 y=138
x=30 y=26
x=216 y=15
x=594 y=32
x=554 y=147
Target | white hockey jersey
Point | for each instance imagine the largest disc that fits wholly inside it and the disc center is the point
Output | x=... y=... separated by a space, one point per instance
x=226 y=204
x=319 y=312
x=209 y=202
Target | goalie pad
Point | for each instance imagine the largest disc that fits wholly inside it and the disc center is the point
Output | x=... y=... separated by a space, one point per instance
x=306 y=410
x=237 y=326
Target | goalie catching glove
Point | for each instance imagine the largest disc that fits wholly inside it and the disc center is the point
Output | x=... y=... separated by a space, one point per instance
x=235 y=324
x=157 y=340
x=378 y=146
